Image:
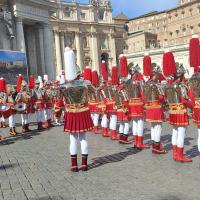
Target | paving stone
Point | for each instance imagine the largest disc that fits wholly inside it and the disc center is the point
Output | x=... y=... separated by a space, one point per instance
x=36 y=166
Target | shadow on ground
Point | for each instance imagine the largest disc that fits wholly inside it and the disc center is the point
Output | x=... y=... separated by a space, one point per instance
x=7 y=166
x=26 y=136
x=117 y=157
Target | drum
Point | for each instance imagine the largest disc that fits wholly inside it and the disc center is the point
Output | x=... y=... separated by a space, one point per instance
x=5 y=110
x=20 y=107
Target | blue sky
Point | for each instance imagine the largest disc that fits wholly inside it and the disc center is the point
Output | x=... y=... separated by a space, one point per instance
x=134 y=8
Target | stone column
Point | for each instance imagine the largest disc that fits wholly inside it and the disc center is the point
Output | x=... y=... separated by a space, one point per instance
x=112 y=49
x=79 y=50
x=31 y=46
x=94 y=51
x=20 y=35
x=58 y=53
x=48 y=51
x=62 y=44
x=40 y=52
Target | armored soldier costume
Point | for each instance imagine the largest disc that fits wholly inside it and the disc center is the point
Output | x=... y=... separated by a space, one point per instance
x=154 y=99
x=23 y=105
x=177 y=98
x=59 y=104
x=78 y=119
x=95 y=100
x=39 y=104
x=122 y=113
x=49 y=95
x=194 y=95
x=134 y=88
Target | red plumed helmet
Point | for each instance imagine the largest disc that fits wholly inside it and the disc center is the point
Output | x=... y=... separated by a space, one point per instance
x=2 y=85
x=104 y=70
x=31 y=82
x=194 y=51
x=123 y=66
x=95 y=78
x=87 y=74
x=147 y=65
x=169 y=65
x=115 y=79
x=19 y=82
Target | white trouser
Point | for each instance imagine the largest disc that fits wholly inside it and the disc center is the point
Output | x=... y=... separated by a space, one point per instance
x=73 y=143
x=92 y=116
x=138 y=126
x=124 y=128
x=2 y=119
x=11 y=121
x=104 y=121
x=47 y=114
x=156 y=130
x=40 y=115
x=178 y=136
x=96 y=119
x=113 y=122
x=198 y=142
x=24 y=118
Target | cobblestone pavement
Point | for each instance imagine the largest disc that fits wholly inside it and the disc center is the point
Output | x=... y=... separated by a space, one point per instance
x=35 y=166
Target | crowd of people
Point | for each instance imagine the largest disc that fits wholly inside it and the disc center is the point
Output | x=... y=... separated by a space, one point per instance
x=110 y=103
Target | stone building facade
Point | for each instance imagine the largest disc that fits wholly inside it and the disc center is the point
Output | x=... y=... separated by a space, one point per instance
x=25 y=26
x=157 y=31
x=172 y=27
x=91 y=30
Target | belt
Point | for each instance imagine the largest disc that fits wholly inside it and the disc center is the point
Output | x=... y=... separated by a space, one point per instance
x=80 y=107
x=176 y=106
x=136 y=101
x=153 y=104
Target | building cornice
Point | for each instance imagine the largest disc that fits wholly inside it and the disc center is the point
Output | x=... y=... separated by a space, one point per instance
x=50 y=5
x=58 y=21
x=153 y=52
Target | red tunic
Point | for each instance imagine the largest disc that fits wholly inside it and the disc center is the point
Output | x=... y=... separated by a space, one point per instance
x=154 y=112
x=77 y=119
x=195 y=102
x=178 y=115
x=122 y=113
x=135 y=108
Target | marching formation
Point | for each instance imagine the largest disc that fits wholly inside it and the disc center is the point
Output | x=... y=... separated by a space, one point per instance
x=113 y=104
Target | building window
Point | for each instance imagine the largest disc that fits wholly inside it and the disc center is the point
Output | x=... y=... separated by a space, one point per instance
x=104 y=43
x=83 y=15
x=183 y=13
x=177 y=32
x=192 y=29
x=67 y=12
x=165 y=42
x=85 y=42
x=191 y=12
x=68 y=40
x=101 y=14
x=165 y=28
x=184 y=32
x=176 y=14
